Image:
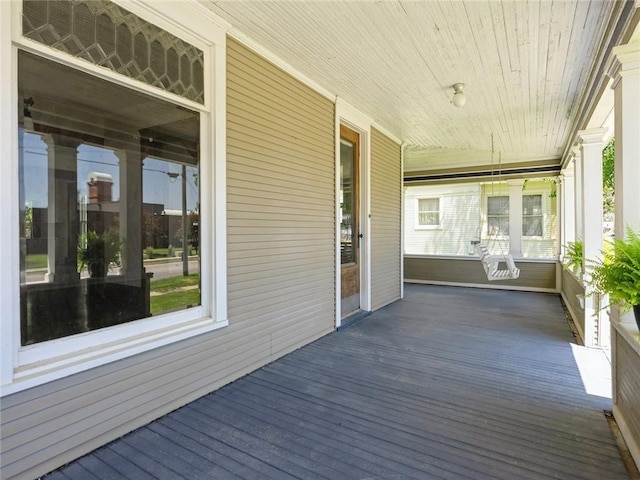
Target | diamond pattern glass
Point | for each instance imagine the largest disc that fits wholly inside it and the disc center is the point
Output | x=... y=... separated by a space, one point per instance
x=109 y=36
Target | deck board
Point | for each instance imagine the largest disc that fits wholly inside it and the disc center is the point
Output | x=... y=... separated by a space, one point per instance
x=449 y=383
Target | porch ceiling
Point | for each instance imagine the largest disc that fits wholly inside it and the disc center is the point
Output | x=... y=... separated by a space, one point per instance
x=526 y=66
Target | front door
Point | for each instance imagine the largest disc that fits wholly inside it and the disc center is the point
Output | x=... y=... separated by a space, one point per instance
x=349 y=220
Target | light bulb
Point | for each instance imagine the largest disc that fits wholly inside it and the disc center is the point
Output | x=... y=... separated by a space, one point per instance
x=459 y=98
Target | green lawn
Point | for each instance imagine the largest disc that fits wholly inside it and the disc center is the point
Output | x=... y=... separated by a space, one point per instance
x=164 y=252
x=174 y=301
x=174 y=283
x=36 y=260
x=176 y=293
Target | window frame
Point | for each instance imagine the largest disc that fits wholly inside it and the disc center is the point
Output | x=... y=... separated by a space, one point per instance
x=28 y=366
x=417 y=224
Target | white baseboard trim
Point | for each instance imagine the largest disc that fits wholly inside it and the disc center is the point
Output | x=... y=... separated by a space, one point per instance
x=483 y=285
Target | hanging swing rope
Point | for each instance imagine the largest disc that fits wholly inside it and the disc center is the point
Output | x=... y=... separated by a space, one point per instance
x=491 y=262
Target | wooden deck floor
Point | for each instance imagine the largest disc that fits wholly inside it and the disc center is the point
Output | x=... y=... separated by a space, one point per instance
x=449 y=383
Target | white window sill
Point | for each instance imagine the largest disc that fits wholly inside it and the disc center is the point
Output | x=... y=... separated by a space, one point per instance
x=428 y=227
x=42 y=370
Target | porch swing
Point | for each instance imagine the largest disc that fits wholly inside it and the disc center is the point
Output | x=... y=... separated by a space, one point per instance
x=490 y=262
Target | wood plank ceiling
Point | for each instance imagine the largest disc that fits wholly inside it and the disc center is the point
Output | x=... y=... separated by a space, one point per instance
x=526 y=66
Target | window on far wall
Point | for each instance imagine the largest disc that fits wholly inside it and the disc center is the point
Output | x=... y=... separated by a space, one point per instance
x=429 y=213
x=498 y=216
x=532 y=215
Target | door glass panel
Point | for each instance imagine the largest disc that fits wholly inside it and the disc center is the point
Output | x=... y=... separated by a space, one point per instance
x=347 y=202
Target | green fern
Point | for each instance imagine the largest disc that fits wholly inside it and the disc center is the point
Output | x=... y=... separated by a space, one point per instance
x=618 y=273
x=573 y=257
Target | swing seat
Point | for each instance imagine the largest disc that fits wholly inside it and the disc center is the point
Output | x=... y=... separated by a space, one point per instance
x=491 y=262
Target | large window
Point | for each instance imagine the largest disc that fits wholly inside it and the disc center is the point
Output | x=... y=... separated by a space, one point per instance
x=532 y=215
x=110 y=203
x=498 y=216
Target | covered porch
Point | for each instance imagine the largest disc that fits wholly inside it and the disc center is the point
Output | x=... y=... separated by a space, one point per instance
x=449 y=382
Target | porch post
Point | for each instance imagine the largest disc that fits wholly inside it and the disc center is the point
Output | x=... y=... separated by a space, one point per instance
x=591 y=144
x=515 y=217
x=577 y=192
x=625 y=72
x=568 y=203
x=62 y=209
x=130 y=212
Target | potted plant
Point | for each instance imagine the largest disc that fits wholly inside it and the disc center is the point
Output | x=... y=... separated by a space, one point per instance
x=618 y=273
x=97 y=251
x=573 y=257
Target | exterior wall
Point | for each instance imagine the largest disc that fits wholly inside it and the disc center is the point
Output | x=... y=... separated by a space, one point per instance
x=463 y=209
x=570 y=288
x=626 y=402
x=281 y=272
x=460 y=223
x=281 y=203
x=386 y=214
x=534 y=275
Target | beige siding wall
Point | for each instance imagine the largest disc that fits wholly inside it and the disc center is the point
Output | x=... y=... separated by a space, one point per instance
x=535 y=275
x=627 y=386
x=386 y=214
x=281 y=202
x=281 y=281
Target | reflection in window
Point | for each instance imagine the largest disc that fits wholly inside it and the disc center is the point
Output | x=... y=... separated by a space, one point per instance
x=428 y=212
x=498 y=215
x=109 y=197
x=347 y=202
x=532 y=215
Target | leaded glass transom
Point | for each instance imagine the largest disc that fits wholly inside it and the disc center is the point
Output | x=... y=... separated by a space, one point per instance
x=107 y=35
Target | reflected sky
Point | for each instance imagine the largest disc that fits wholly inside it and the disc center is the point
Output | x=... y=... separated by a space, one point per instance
x=158 y=186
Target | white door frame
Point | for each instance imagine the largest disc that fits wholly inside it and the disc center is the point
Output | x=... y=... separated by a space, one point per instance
x=351 y=117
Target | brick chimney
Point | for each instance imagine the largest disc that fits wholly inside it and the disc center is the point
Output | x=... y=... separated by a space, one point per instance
x=100 y=185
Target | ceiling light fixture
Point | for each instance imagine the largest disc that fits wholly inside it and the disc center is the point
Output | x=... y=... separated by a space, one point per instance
x=459 y=98
x=27 y=118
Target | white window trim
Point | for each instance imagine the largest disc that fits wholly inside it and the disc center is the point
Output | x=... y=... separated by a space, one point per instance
x=416 y=220
x=25 y=367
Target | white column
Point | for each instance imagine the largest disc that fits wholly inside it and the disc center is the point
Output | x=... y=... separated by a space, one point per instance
x=131 y=212
x=515 y=217
x=567 y=223
x=62 y=209
x=591 y=144
x=577 y=192
x=568 y=208
x=625 y=72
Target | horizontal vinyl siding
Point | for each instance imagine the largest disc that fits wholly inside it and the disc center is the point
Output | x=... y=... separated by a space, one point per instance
x=280 y=202
x=537 y=275
x=627 y=385
x=459 y=223
x=281 y=270
x=386 y=214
